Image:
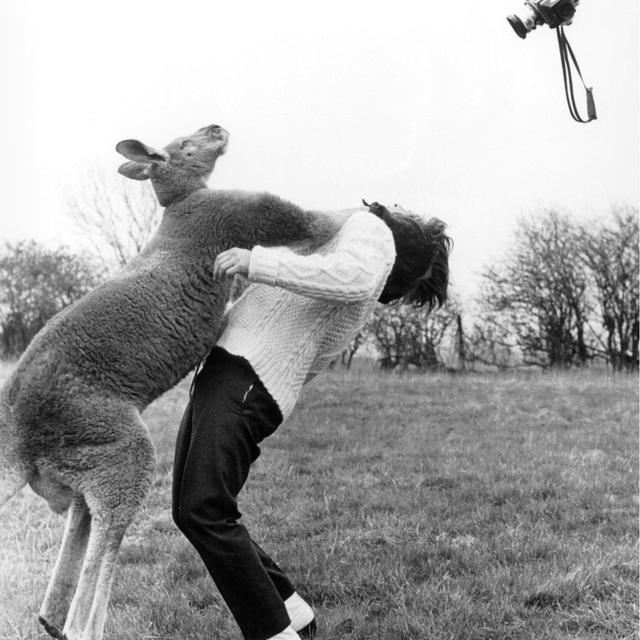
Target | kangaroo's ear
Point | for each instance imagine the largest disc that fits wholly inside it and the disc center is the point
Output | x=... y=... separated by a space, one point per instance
x=135 y=170
x=139 y=152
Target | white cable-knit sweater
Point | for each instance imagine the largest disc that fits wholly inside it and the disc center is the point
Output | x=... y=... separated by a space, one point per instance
x=300 y=311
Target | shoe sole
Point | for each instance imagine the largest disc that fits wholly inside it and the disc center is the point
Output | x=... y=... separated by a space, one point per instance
x=309 y=631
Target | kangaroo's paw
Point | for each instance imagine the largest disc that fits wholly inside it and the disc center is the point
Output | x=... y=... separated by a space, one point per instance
x=51 y=629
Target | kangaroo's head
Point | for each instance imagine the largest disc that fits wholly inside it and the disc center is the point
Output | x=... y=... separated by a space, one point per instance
x=182 y=167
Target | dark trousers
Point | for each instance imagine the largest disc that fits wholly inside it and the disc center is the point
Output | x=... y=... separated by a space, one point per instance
x=229 y=413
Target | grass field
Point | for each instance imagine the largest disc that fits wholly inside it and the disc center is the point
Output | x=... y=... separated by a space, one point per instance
x=434 y=507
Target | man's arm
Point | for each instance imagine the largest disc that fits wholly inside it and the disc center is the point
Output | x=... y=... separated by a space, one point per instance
x=352 y=272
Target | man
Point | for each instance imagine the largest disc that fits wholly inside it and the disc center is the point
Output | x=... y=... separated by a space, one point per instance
x=297 y=315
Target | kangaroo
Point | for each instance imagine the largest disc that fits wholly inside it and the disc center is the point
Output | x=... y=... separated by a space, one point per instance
x=70 y=422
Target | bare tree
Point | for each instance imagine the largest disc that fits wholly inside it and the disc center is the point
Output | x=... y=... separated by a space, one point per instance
x=541 y=292
x=567 y=293
x=118 y=216
x=491 y=342
x=410 y=336
x=610 y=252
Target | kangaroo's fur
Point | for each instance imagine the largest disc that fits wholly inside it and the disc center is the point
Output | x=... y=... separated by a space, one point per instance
x=70 y=422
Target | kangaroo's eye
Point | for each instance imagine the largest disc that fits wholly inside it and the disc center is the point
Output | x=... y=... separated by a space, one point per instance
x=185 y=143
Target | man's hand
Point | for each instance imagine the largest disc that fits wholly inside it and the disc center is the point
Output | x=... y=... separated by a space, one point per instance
x=230 y=262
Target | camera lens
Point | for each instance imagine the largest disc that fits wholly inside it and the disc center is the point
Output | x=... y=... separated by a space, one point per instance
x=518 y=26
x=527 y=21
x=566 y=10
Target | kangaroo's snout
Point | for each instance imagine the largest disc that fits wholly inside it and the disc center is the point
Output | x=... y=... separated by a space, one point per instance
x=213 y=134
x=215 y=131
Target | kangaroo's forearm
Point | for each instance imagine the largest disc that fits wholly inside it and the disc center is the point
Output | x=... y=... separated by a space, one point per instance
x=272 y=221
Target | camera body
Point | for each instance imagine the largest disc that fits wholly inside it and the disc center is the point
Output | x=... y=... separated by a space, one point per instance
x=555 y=13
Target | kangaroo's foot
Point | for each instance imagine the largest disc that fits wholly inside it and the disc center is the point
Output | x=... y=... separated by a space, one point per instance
x=51 y=629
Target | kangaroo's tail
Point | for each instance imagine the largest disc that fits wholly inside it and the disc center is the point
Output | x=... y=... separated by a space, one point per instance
x=13 y=474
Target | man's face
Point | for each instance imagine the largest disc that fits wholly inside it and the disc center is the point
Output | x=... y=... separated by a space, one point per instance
x=412 y=255
x=393 y=290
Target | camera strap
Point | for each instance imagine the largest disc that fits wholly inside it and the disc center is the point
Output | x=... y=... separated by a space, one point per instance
x=567 y=56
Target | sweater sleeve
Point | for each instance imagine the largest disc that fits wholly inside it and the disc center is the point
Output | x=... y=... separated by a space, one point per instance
x=351 y=272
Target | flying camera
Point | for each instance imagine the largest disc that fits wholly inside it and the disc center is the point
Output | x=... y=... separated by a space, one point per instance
x=555 y=13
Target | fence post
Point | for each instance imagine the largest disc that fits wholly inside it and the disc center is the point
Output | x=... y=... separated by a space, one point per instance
x=460 y=347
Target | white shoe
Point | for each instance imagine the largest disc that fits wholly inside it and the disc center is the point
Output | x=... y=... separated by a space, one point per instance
x=287 y=634
x=300 y=613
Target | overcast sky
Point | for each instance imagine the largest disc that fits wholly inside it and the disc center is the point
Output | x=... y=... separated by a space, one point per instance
x=437 y=106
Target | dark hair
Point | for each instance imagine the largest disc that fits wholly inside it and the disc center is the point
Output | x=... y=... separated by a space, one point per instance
x=420 y=274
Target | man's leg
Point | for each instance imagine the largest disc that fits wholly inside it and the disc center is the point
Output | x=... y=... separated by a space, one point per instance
x=230 y=413
x=300 y=613
x=277 y=575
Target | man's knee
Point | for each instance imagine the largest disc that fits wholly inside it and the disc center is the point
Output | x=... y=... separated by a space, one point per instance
x=189 y=517
x=211 y=512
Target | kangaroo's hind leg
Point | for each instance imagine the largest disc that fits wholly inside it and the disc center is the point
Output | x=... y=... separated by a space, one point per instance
x=65 y=577
x=113 y=489
x=88 y=610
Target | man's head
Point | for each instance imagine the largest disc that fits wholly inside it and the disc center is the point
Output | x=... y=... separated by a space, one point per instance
x=420 y=274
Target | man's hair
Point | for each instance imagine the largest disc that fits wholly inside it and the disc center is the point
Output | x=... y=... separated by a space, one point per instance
x=430 y=289
x=420 y=274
